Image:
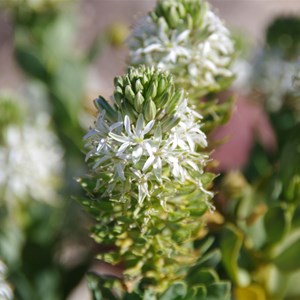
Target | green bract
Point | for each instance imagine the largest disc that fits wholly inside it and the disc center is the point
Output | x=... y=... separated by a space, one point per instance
x=147 y=185
x=188 y=39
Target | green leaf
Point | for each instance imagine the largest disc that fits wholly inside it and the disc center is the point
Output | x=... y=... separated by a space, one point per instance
x=288 y=260
x=198 y=292
x=202 y=276
x=231 y=244
x=219 y=291
x=176 y=291
x=31 y=63
x=210 y=259
x=275 y=223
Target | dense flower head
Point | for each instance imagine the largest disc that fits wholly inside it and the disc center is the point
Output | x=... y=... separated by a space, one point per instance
x=276 y=65
x=148 y=141
x=147 y=176
x=30 y=158
x=188 y=39
x=273 y=77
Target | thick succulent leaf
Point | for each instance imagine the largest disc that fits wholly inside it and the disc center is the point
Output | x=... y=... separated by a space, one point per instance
x=219 y=291
x=288 y=258
x=177 y=291
x=275 y=224
x=202 y=276
x=31 y=63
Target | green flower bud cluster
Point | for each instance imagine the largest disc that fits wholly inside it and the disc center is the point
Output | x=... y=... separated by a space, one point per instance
x=146 y=184
x=185 y=14
x=188 y=39
x=149 y=92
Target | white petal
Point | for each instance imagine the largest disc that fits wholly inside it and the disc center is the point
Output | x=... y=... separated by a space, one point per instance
x=136 y=154
x=115 y=125
x=148 y=127
x=193 y=165
x=139 y=125
x=101 y=160
x=190 y=142
x=143 y=192
x=149 y=149
x=148 y=162
x=182 y=36
x=122 y=148
x=119 y=138
x=127 y=125
x=157 y=168
x=152 y=47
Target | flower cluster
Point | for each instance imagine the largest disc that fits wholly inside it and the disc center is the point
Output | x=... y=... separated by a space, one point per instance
x=273 y=77
x=30 y=159
x=188 y=39
x=148 y=141
x=147 y=175
x=5 y=290
x=277 y=64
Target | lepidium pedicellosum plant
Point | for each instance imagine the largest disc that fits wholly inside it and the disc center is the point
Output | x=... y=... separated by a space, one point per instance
x=147 y=184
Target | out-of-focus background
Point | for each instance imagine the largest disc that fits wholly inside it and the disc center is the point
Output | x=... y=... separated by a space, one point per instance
x=56 y=57
x=95 y=17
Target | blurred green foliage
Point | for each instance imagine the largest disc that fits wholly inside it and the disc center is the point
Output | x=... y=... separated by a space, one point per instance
x=35 y=236
x=260 y=243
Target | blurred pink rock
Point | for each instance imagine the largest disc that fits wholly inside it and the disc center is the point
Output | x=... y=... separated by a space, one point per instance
x=247 y=123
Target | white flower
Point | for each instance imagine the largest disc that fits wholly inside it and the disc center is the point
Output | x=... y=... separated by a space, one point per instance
x=31 y=163
x=273 y=76
x=134 y=138
x=198 y=58
x=144 y=157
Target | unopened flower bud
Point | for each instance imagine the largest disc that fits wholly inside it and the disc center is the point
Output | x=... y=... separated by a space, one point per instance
x=161 y=86
x=149 y=110
x=173 y=17
x=151 y=91
x=138 y=102
x=181 y=10
x=129 y=94
x=138 y=86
